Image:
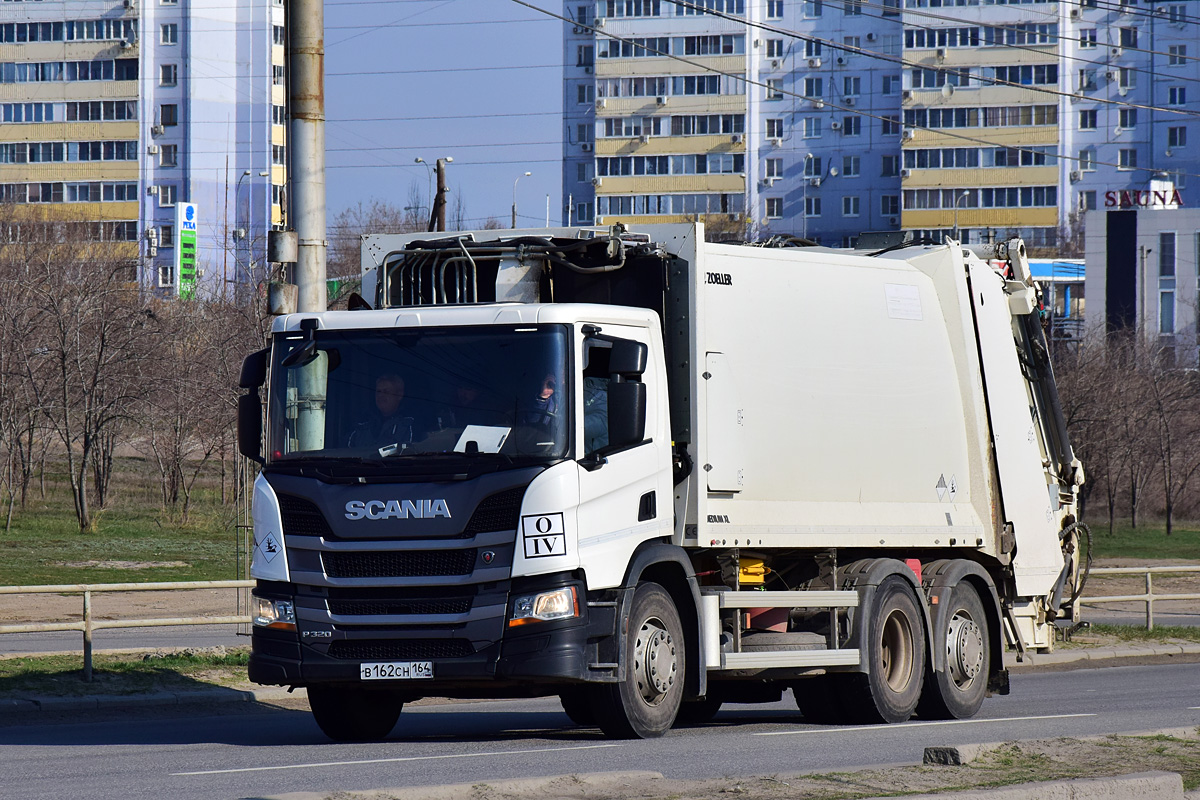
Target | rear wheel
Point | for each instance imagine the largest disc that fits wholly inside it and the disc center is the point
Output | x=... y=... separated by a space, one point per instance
x=820 y=698
x=351 y=714
x=577 y=703
x=957 y=692
x=895 y=643
x=699 y=712
x=645 y=703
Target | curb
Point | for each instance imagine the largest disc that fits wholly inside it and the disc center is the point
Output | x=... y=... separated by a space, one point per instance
x=958 y=754
x=1142 y=785
x=1098 y=654
x=518 y=788
x=118 y=701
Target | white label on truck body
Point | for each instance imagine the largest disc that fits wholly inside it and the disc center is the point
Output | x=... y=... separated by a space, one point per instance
x=544 y=535
x=903 y=301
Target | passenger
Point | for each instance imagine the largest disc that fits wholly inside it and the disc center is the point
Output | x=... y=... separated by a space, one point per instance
x=468 y=407
x=543 y=411
x=392 y=423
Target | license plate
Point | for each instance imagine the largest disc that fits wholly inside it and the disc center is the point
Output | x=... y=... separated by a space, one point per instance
x=395 y=670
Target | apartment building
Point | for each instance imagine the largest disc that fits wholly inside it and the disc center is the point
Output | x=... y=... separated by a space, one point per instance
x=116 y=112
x=980 y=118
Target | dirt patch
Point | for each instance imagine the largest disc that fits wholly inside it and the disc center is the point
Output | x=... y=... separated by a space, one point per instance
x=123 y=564
x=28 y=608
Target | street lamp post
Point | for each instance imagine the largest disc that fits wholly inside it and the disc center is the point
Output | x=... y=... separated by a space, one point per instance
x=240 y=233
x=514 y=207
x=428 y=175
x=962 y=196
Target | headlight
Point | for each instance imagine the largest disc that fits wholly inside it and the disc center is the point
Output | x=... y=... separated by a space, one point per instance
x=555 y=604
x=279 y=614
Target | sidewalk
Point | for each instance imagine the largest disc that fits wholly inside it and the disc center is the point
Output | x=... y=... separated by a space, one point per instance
x=1084 y=658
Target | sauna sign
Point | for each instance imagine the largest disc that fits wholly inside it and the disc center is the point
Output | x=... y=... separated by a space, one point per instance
x=1143 y=198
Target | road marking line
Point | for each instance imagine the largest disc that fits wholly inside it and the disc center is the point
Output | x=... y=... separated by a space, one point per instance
x=1194 y=708
x=903 y=725
x=392 y=760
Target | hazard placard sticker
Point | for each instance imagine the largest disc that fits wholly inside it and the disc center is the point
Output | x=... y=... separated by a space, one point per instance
x=268 y=546
x=544 y=535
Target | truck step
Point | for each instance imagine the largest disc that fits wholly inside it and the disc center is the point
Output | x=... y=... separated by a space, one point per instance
x=789 y=658
x=760 y=641
x=822 y=599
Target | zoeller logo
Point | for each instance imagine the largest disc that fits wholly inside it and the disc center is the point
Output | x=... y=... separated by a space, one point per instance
x=396 y=509
x=714 y=518
x=718 y=278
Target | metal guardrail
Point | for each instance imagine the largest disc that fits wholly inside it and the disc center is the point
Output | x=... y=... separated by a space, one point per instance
x=88 y=624
x=1149 y=598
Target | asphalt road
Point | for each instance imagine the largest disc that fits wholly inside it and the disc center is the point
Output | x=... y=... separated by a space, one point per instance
x=124 y=639
x=271 y=752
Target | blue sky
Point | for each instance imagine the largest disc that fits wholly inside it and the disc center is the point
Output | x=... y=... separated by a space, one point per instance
x=477 y=80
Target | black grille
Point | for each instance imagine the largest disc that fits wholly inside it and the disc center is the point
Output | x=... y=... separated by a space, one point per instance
x=302 y=518
x=400 y=649
x=404 y=564
x=460 y=605
x=499 y=512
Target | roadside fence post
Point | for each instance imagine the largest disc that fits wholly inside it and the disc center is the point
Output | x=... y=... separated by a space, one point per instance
x=87 y=636
x=1149 y=603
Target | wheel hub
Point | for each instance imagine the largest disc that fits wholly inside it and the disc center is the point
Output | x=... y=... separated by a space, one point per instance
x=654 y=661
x=964 y=649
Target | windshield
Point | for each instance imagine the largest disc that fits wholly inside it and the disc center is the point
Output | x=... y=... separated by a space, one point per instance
x=403 y=393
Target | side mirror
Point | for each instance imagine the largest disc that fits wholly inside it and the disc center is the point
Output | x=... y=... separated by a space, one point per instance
x=249 y=426
x=626 y=413
x=628 y=358
x=254 y=370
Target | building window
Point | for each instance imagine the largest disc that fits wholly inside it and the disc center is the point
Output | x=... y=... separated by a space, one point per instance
x=584 y=55
x=812 y=9
x=774 y=9
x=852 y=126
x=1176 y=95
x=1126 y=77
x=852 y=42
x=774 y=208
x=812 y=49
x=1087 y=79
x=280 y=36
x=1176 y=55
x=585 y=93
x=851 y=86
x=1087 y=200
x=814 y=88
x=813 y=167
x=584 y=132
x=1129 y=38
x=850 y=166
x=168 y=2
x=890 y=126
x=169 y=33
x=775 y=129
x=1176 y=137
x=1087 y=119
x=812 y=206
x=891 y=84
x=168 y=75
x=166 y=194
x=889 y=205
x=168 y=114
x=774 y=48
x=1087 y=159
x=890 y=167
x=1127 y=158
x=774 y=88
x=812 y=127
x=168 y=155
x=851 y=8
x=279 y=115
x=773 y=168
x=1087 y=38
x=1127 y=118
x=583 y=212
x=279 y=155
x=166 y=236
x=850 y=206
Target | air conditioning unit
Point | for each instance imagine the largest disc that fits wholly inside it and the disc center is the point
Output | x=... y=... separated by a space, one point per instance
x=775 y=63
x=906 y=95
x=1076 y=176
x=940 y=54
x=599 y=22
x=1076 y=13
x=587 y=70
x=818 y=103
x=814 y=62
x=775 y=140
x=586 y=147
x=814 y=181
x=769 y=181
x=157 y=130
x=906 y=173
x=130 y=4
x=893 y=221
x=908 y=134
x=737 y=138
x=152 y=149
x=151 y=190
x=644 y=138
x=602 y=103
x=126 y=44
x=835 y=126
x=660 y=100
x=848 y=101
x=1125 y=10
x=870 y=37
x=1168 y=153
x=1122 y=90
x=576 y=29
x=1116 y=52
x=841 y=61
x=597 y=182
x=1111 y=75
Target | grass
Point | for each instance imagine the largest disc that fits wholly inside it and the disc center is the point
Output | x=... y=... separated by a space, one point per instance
x=45 y=546
x=62 y=675
x=1132 y=633
x=1148 y=540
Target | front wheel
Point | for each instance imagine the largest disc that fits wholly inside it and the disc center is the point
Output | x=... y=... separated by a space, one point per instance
x=351 y=714
x=895 y=642
x=957 y=691
x=644 y=705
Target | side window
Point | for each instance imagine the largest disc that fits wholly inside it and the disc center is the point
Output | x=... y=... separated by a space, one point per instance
x=595 y=395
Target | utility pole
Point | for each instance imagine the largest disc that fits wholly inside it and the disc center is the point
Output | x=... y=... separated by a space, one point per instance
x=306 y=141
x=439 y=205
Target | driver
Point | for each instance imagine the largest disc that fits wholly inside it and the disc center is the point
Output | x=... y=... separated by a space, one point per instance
x=392 y=423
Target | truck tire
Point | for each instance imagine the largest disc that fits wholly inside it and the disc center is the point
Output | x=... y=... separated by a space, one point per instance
x=699 y=712
x=351 y=714
x=895 y=644
x=644 y=705
x=820 y=699
x=957 y=692
x=577 y=703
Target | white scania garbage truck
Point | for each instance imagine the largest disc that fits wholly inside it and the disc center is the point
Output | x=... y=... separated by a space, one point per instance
x=650 y=475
